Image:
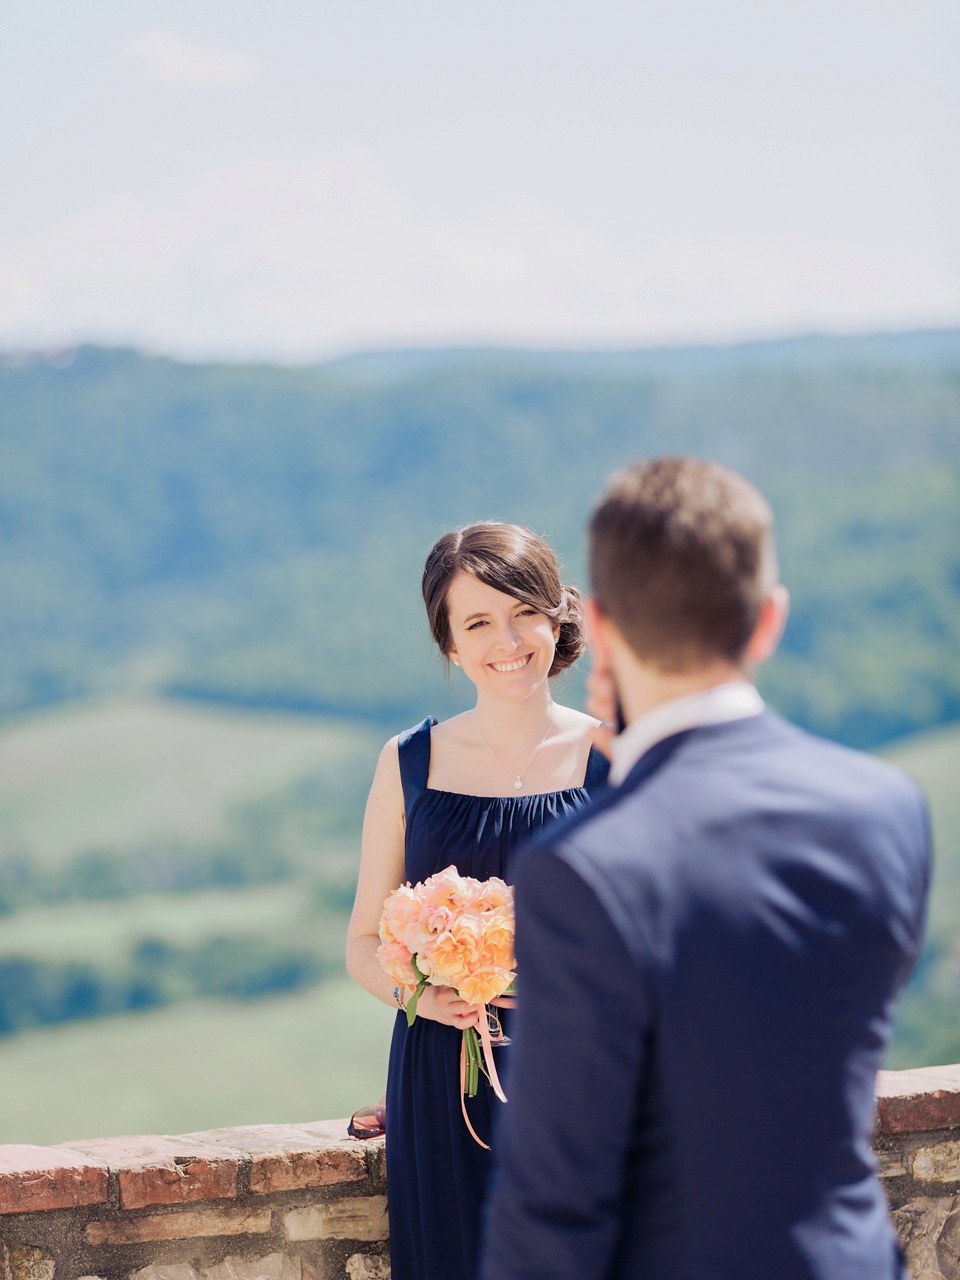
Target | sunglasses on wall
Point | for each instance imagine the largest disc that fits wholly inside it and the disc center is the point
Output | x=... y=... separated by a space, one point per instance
x=368 y=1122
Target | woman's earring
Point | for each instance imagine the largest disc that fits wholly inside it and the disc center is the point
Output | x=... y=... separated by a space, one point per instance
x=455 y=661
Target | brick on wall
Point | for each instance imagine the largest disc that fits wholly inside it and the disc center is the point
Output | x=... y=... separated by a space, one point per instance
x=161 y=1170
x=35 y=1178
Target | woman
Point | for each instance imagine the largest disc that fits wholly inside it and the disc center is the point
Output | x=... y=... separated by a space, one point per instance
x=466 y=792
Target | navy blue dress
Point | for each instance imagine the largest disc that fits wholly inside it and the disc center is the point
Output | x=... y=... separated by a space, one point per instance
x=436 y=1173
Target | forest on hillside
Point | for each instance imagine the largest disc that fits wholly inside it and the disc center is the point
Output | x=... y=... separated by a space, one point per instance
x=254 y=534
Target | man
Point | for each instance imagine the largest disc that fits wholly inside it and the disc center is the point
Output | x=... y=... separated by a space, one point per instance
x=708 y=956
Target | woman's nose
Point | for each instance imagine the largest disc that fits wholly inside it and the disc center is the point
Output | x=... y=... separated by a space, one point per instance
x=509 y=639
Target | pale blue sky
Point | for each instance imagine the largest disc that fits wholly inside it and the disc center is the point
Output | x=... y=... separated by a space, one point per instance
x=297 y=179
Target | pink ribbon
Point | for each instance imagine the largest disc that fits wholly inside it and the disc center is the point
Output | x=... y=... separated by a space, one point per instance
x=488 y=1056
x=487 y=1044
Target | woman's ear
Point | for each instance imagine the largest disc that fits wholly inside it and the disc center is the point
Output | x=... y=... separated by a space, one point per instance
x=452 y=655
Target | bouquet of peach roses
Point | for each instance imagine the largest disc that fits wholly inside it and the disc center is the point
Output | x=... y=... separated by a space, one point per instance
x=453 y=931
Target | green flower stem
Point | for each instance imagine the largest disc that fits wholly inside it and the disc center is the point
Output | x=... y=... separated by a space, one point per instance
x=472 y=1043
x=415 y=998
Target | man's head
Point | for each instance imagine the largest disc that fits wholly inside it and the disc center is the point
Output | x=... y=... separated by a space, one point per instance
x=682 y=561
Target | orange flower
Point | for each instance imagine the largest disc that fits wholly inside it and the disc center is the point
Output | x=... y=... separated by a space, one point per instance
x=484 y=982
x=452 y=954
x=497 y=934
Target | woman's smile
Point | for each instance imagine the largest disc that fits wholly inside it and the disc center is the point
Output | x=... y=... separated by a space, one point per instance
x=516 y=664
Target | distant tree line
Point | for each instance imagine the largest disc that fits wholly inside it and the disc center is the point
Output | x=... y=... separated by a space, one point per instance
x=98 y=875
x=37 y=992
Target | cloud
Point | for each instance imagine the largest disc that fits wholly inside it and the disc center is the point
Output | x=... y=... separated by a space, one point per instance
x=296 y=260
x=165 y=58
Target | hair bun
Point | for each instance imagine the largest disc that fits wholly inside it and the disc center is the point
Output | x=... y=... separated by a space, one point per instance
x=571 y=638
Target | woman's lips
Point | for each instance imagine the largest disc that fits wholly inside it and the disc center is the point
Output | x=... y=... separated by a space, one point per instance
x=517 y=664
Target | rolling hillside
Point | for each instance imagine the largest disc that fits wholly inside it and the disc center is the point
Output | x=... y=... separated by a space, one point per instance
x=126 y=772
x=928 y=1024
x=319 y=1051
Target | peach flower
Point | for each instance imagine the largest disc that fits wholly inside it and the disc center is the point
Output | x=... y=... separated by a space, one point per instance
x=494 y=893
x=399 y=911
x=485 y=982
x=452 y=954
x=497 y=935
x=395 y=961
x=459 y=929
x=447 y=888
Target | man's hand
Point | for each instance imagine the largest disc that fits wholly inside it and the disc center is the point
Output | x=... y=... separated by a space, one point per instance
x=602 y=703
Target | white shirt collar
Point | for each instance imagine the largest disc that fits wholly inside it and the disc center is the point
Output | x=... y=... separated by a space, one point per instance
x=723 y=702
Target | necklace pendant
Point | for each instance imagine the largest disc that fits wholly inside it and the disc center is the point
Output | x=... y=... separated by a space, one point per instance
x=518 y=785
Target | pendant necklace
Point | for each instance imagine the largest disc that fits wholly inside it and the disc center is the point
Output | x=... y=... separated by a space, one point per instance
x=518 y=784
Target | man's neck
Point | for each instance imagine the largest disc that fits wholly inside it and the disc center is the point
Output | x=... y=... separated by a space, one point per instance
x=690 y=705
x=643 y=688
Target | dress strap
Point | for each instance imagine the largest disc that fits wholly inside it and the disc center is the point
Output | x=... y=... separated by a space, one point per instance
x=598 y=766
x=413 y=748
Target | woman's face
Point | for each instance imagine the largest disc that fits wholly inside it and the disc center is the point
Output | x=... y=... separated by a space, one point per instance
x=502 y=644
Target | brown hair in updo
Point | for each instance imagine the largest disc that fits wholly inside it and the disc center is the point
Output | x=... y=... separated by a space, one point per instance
x=510 y=559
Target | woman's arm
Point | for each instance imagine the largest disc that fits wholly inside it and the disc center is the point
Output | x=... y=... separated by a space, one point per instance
x=381 y=871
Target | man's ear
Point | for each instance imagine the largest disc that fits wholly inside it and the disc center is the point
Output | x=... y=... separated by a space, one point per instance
x=770 y=625
x=598 y=634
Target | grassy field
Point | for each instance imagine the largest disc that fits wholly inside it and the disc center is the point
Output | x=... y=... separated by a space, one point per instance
x=934 y=760
x=313 y=1056
x=103 y=932
x=316 y=1054
x=125 y=772
x=928 y=1019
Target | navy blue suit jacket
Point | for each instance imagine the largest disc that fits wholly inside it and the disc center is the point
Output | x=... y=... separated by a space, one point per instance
x=708 y=957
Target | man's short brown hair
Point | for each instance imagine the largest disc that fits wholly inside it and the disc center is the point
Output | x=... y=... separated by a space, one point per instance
x=681 y=559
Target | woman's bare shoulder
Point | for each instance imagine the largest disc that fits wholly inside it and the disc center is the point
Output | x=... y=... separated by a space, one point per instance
x=569 y=720
x=453 y=730
x=387 y=774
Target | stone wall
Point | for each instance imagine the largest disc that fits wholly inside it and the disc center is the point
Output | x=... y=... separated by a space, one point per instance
x=305 y=1202
x=269 y=1202
x=918 y=1150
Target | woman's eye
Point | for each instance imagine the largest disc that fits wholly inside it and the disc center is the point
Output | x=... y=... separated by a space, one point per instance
x=479 y=623
x=528 y=612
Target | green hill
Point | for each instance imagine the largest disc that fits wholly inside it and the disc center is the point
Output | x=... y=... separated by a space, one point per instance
x=312 y=1056
x=928 y=1023
x=254 y=535
x=132 y=771
x=320 y=1051
x=274 y=803
x=153 y=853
x=934 y=760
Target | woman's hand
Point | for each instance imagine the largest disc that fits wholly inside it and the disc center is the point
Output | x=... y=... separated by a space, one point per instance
x=442 y=1004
